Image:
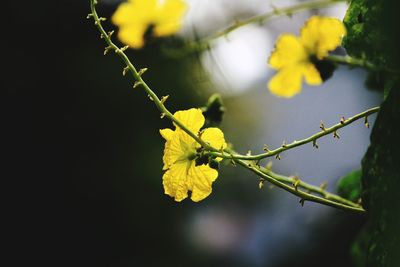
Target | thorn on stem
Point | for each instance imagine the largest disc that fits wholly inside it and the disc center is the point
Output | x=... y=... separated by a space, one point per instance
x=150 y=97
x=107 y=49
x=233 y=163
x=336 y=135
x=123 y=49
x=366 y=123
x=265 y=148
x=301 y=201
x=261 y=183
x=322 y=126
x=102 y=19
x=323 y=185
x=278 y=157
x=142 y=71
x=89 y=16
x=314 y=144
x=296 y=182
x=164 y=98
x=162 y=115
x=284 y=145
x=342 y=120
x=248 y=153
x=125 y=71
x=137 y=83
x=110 y=33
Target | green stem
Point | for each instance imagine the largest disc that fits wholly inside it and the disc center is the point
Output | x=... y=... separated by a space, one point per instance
x=312 y=139
x=138 y=78
x=361 y=63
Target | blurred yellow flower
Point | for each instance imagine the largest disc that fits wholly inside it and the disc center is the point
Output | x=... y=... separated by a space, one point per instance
x=134 y=18
x=293 y=56
x=184 y=172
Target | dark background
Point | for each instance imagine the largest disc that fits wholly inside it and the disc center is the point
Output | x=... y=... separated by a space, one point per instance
x=83 y=155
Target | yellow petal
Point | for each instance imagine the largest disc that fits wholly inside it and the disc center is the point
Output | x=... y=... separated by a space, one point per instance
x=169 y=18
x=167 y=134
x=133 y=18
x=175 y=181
x=192 y=118
x=288 y=51
x=287 y=82
x=311 y=74
x=132 y=35
x=321 y=35
x=202 y=178
x=214 y=137
x=181 y=147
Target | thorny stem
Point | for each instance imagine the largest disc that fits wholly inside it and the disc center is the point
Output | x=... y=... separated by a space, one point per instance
x=280 y=181
x=312 y=139
x=297 y=183
x=276 y=179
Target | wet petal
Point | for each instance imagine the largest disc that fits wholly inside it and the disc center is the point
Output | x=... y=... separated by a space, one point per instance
x=179 y=148
x=192 y=118
x=214 y=137
x=167 y=134
x=202 y=178
x=175 y=181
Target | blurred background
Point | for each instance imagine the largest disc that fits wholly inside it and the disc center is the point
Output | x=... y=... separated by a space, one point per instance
x=84 y=156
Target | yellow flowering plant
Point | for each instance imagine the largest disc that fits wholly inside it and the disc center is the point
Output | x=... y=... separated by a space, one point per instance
x=186 y=169
x=295 y=57
x=191 y=154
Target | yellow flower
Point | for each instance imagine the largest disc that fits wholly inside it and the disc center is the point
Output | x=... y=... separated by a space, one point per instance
x=293 y=56
x=134 y=18
x=184 y=169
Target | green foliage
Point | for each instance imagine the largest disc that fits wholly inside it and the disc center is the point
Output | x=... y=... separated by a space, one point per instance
x=371 y=36
x=364 y=37
x=349 y=186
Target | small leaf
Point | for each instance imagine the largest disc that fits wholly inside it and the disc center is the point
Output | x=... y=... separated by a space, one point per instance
x=349 y=186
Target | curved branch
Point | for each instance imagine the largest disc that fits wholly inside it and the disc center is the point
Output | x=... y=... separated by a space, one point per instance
x=312 y=139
